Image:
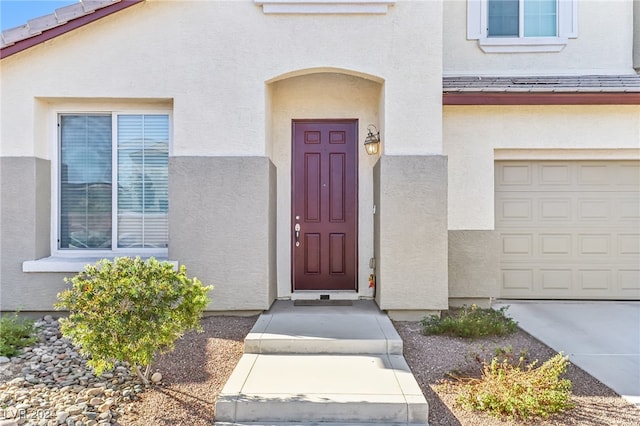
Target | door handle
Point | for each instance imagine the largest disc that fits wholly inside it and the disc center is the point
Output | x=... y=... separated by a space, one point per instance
x=297 y=234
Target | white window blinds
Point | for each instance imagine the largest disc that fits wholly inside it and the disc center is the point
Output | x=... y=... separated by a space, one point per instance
x=113 y=188
x=143 y=154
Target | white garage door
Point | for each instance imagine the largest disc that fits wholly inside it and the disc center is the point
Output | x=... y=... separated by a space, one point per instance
x=569 y=229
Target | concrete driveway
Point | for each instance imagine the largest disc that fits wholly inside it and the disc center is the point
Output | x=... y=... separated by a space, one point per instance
x=602 y=338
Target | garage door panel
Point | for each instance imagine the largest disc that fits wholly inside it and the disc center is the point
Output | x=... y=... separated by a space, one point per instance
x=594 y=279
x=629 y=245
x=594 y=209
x=514 y=209
x=594 y=244
x=554 y=174
x=628 y=175
x=518 y=279
x=554 y=209
x=556 y=279
x=555 y=244
x=515 y=175
x=629 y=209
x=517 y=244
x=630 y=280
x=569 y=229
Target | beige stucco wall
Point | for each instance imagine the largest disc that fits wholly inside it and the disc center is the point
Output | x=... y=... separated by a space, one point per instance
x=222 y=228
x=24 y=230
x=233 y=78
x=214 y=59
x=474 y=135
x=603 y=46
x=411 y=235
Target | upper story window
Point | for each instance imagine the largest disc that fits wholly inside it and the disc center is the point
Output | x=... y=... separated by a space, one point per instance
x=522 y=18
x=112 y=189
x=504 y=26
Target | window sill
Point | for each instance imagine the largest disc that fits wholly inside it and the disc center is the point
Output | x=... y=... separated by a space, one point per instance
x=69 y=264
x=522 y=45
x=325 y=6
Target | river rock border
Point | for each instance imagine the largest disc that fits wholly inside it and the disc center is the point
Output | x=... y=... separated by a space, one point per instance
x=50 y=384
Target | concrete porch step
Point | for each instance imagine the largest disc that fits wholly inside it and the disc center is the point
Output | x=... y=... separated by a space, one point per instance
x=303 y=389
x=357 y=329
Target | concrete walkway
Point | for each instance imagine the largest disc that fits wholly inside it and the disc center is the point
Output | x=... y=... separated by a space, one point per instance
x=602 y=338
x=307 y=365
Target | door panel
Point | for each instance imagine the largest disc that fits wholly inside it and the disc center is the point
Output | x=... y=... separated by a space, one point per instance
x=324 y=204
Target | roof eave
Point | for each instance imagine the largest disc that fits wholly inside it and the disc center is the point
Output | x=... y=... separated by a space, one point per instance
x=51 y=33
x=541 y=98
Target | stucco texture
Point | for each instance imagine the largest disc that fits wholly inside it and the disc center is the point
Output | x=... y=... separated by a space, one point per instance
x=475 y=134
x=411 y=233
x=603 y=45
x=24 y=234
x=221 y=226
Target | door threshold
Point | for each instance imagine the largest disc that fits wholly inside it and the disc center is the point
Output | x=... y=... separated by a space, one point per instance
x=322 y=302
x=325 y=295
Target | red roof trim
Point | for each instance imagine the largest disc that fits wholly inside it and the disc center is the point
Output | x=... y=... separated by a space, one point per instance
x=65 y=28
x=537 y=98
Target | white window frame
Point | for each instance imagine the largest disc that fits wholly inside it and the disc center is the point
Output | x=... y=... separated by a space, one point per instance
x=477 y=26
x=55 y=187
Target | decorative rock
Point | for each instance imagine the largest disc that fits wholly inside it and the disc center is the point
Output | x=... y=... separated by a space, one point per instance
x=95 y=391
x=74 y=409
x=51 y=376
x=48 y=318
x=156 y=377
x=61 y=417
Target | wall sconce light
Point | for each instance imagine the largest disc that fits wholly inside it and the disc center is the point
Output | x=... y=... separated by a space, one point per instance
x=372 y=142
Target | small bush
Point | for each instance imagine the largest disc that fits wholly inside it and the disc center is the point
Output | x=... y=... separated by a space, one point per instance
x=130 y=310
x=15 y=334
x=509 y=390
x=470 y=323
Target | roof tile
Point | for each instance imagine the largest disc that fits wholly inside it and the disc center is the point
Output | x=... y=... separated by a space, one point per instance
x=61 y=16
x=558 y=84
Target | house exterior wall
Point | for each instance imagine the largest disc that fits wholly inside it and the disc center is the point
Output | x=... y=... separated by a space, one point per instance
x=411 y=235
x=603 y=45
x=24 y=230
x=475 y=136
x=230 y=77
x=473 y=133
x=223 y=226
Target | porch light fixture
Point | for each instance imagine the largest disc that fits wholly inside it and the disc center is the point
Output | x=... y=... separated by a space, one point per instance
x=372 y=142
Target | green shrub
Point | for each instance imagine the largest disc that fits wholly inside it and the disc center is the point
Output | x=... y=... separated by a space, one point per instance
x=129 y=310
x=470 y=322
x=15 y=334
x=512 y=391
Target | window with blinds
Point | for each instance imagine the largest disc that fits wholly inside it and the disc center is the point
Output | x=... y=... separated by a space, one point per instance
x=522 y=18
x=113 y=190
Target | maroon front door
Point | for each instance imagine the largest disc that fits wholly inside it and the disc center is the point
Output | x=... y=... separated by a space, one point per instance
x=324 y=204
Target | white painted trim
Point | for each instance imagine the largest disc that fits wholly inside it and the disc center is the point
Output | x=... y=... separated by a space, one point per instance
x=567 y=154
x=477 y=24
x=522 y=45
x=325 y=6
x=62 y=264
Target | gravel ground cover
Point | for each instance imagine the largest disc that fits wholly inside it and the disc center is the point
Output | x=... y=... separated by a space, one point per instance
x=50 y=384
